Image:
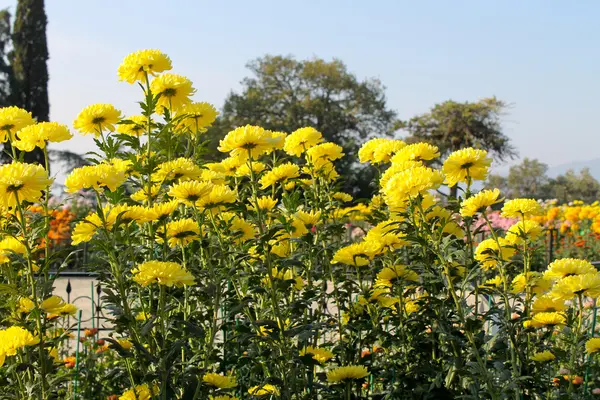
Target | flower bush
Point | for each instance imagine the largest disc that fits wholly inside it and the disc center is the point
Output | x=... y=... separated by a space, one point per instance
x=243 y=279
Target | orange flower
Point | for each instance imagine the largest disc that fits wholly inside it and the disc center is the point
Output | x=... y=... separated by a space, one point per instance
x=577 y=380
x=90 y=332
x=70 y=362
x=580 y=243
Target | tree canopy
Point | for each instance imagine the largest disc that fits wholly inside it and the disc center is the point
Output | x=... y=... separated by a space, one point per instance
x=284 y=94
x=529 y=179
x=452 y=126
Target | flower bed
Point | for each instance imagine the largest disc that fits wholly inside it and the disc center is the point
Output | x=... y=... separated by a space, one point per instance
x=243 y=278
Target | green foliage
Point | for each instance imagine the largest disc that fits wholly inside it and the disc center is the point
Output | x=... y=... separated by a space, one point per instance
x=28 y=74
x=452 y=126
x=530 y=179
x=29 y=59
x=5 y=67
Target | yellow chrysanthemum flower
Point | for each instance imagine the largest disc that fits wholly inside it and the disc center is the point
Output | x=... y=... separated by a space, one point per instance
x=162 y=273
x=351 y=372
x=141 y=392
x=479 y=202
x=137 y=126
x=592 y=345
x=66 y=309
x=343 y=197
x=38 y=135
x=195 y=117
x=182 y=232
x=180 y=169
x=385 y=237
x=264 y=390
x=357 y=254
x=534 y=280
x=367 y=150
x=565 y=267
x=574 y=285
x=466 y=165
x=309 y=217
x=521 y=208
x=416 y=152
x=11 y=245
x=318 y=354
x=493 y=282
x=285 y=275
x=547 y=303
x=246 y=141
x=279 y=174
x=219 y=196
x=53 y=304
x=190 y=192
x=95 y=176
x=136 y=66
x=97 y=119
x=162 y=210
x=142 y=194
x=281 y=247
x=216 y=178
x=219 y=381
x=301 y=140
x=410 y=306
x=522 y=231
x=409 y=184
x=14 y=338
x=174 y=90
x=142 y=316
x=265 y=203
x=488 y=253
x=228 y=166
x=548 y=319
x=240 y=229
x=26 y=305
x=396 y=272
x=278 y=140
x=13 y=119
x=543 y=356
x=21 y=182
x=85 y=230
x=379 y=150
x=322 y=154
x=396 y=168
x=244 y=169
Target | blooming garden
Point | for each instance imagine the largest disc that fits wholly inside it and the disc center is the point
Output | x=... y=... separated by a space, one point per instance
x=254 y=277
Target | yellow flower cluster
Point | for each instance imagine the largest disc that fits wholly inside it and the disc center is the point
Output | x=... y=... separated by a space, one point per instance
x=163 y=273
x=13 y=339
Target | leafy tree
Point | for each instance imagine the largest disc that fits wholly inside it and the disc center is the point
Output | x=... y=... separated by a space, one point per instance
x=30 y=57
x=29 y=67
x=495 y=181
x=5 y=67
x=452 y=126
x=284 y=94
x=572 y=186
x=528 y=179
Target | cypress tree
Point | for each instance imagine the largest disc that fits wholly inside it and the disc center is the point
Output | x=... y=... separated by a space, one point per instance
x=30 y=70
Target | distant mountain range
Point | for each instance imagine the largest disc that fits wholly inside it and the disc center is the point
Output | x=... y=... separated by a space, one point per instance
x=593 y=165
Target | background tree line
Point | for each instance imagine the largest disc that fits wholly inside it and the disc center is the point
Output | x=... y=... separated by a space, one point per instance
x=530 y=179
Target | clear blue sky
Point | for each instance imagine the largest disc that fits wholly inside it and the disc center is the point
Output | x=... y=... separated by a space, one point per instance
x=540 y=56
